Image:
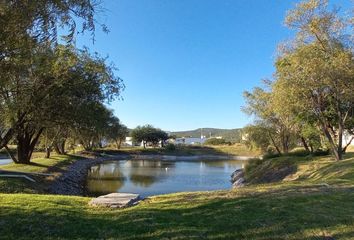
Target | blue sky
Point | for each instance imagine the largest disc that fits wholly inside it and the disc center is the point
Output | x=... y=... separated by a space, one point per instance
x=186 y=63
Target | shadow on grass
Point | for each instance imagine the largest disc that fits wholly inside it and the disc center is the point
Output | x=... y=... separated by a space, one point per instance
x=279 y=215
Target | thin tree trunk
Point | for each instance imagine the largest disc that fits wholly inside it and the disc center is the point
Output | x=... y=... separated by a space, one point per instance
x=331 y=143
x=305 y=144
x=47 y=152
x=276 y=147
x=340 y=140
x=347 y=145
x=12 y=156
x=62 y=147
x=56 y=148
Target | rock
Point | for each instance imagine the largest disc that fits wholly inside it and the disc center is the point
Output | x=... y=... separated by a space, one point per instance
x=239 y=183
x=116 y=200
x=236 y=175
x=237 y=178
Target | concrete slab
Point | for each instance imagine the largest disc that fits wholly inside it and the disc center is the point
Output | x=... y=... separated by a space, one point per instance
x=116 y=200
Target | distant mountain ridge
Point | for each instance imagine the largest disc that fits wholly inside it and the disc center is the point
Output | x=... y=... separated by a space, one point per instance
x=232 y=135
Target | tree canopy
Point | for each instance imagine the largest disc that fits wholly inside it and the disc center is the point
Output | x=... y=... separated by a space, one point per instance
x=148 y=134
x=51 y=91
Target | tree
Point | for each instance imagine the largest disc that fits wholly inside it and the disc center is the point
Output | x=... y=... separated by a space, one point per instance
x=316 y=70
x=65 y=86
x=148 y=134
x=27 y=30
x=278 y=127
x=117 y=132
x=258 y=136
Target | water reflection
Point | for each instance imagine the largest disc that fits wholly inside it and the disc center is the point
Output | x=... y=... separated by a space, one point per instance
x=144 y=173
x=105 y=178
x=151 y=177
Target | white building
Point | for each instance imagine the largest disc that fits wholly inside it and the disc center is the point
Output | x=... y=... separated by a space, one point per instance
x=128 y=141
x=189 y=141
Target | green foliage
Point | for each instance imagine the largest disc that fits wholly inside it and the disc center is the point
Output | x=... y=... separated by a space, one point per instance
x=312 y=93
x=256 y=137
x=29 y=33
x=116 y=131
x=44 y=85
x=148 y=134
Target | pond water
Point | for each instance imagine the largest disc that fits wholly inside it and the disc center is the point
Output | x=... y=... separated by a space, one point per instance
x=153 y=177
x=4 y=161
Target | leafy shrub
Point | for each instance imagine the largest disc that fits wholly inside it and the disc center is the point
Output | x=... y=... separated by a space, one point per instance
x=297 y=153
x=320 y=152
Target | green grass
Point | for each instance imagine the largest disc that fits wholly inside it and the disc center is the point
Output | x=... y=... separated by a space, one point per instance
x=314 y=202
x=252 y=213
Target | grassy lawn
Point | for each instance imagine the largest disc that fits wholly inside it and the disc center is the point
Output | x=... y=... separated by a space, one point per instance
x=277 y=212
x=314 y=202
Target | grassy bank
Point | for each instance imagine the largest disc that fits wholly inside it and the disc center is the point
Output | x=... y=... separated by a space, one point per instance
x=313 y=202
x=278 y=212
x=55 y=166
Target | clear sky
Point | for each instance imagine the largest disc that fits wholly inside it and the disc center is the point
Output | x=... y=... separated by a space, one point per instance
x=186 y=63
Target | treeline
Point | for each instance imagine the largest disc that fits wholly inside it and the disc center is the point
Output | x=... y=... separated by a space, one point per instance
x=311 y=98
x=51 y=93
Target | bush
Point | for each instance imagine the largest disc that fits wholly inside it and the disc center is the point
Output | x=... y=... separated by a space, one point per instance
x=320 y=152
x=297 y=153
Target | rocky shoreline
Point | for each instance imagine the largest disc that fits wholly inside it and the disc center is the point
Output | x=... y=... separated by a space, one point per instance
x=72 y=181
x=238 y=178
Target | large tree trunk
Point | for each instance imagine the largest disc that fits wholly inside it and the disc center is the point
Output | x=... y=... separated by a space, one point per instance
x=5 y=138
x=118 y=143
x=26 y=141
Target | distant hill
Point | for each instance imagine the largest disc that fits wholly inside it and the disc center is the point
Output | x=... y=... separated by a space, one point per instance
x=232 y=135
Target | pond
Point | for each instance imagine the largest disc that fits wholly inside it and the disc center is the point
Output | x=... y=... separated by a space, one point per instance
x=153 y=177
x=4 y=161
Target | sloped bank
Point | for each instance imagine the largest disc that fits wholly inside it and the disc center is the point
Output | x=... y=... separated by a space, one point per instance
x=258 y=171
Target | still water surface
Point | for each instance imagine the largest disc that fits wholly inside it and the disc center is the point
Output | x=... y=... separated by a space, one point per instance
x=152 y=177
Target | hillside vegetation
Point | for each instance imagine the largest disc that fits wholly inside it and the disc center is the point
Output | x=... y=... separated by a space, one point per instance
x=230 y=135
